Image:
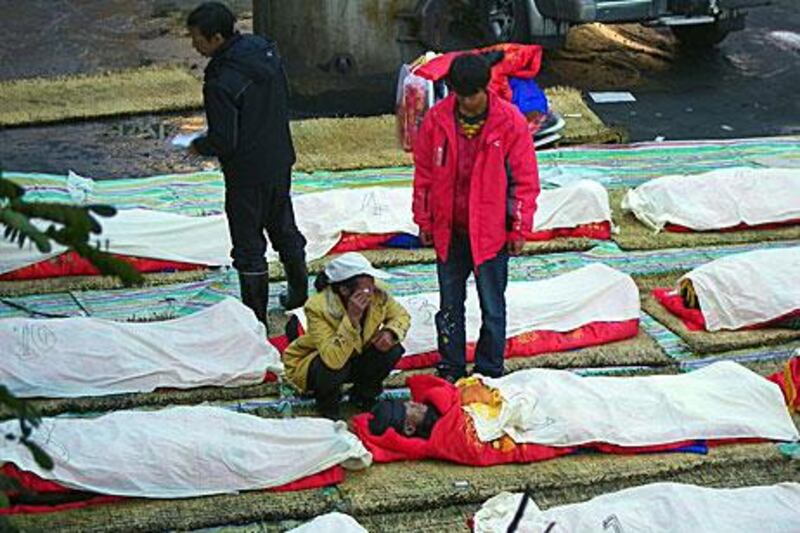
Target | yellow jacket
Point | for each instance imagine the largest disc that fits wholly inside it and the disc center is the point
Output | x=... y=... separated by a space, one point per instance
x=330 y=334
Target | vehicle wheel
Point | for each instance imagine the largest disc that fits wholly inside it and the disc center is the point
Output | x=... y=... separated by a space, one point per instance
x=506 y=21
x=700 y=35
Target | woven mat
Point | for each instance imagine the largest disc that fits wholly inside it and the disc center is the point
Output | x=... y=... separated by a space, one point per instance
x=704 y=342
x=633 y=235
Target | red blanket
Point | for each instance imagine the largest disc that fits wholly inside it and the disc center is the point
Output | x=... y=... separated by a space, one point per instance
x=454 y=439
x=694 y=320
x=677 y=228
x=788 y=380
x=33 y=483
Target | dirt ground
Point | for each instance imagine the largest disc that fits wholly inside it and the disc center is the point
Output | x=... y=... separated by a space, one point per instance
x=745 y=88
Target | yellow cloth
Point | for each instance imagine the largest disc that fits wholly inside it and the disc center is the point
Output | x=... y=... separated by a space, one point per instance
x=330 y=334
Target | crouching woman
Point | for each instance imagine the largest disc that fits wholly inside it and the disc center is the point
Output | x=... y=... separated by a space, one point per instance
x=353 y=335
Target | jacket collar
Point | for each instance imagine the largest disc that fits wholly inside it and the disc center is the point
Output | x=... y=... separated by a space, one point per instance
x=446 y=113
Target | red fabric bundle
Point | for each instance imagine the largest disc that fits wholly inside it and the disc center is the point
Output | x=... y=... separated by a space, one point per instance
x=519 y=61
x=677 y=228
x=454 y=439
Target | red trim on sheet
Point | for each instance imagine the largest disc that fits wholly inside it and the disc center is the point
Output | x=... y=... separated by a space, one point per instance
x=32 y=482
x=596 y=230
x=539 y=342
x=354 y=242
x=788 y=380
x=694 y=320
x=72 y=264
x=677 y=228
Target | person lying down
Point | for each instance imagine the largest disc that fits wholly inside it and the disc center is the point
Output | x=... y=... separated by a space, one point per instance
x=540 y=414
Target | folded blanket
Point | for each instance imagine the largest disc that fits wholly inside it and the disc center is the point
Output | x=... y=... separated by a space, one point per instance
x=223 y=345
x=184 y=452
x=550 y=413
x=338 y=522
x=673 y=507
x=741 y=290
x=724 y=198
x=322 y=217
x=592 y=294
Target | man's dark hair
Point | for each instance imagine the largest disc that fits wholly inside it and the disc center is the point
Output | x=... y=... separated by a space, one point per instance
x=212 y=18
x=469 y=73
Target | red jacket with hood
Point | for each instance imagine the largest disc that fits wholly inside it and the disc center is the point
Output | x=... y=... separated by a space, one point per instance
x=504 y=184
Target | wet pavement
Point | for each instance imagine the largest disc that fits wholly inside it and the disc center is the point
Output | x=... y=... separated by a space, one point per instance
x=747 y=87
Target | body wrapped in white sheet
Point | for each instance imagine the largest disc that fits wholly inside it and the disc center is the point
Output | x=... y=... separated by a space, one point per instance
x=331 y=522
x=321 y=218
x=594 y=293
x=672 y=507
x=746 y=289
x=182 y=452
x=558 y=408
x=223 y=345
x=718 y=199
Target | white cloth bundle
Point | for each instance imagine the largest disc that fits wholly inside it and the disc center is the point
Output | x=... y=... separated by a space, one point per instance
x=672 y=507
x=321 y=218
x=182 y=452
x=594 y=293
x=223 y=345
x=718 y=199
x=558 y=408
x=338 y=522
x=747 y=289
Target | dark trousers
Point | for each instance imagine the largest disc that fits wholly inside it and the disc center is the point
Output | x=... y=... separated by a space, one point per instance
x=491 y=279
x=366 y=371
x=251 y=210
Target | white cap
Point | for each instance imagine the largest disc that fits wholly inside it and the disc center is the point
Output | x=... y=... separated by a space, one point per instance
x=352 y=264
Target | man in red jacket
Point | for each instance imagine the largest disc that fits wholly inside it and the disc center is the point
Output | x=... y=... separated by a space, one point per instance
x=475 y=189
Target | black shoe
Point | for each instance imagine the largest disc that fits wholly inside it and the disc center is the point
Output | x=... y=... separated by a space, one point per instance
x=297 y=282
x=448 y=376
x=255 y=293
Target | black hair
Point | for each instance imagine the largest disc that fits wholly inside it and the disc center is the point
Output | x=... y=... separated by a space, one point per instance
x=322 y=282
x=212 y=18
x=468 y=74
x=426 y=426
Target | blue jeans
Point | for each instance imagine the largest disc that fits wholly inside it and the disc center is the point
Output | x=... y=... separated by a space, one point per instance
x=491 y=279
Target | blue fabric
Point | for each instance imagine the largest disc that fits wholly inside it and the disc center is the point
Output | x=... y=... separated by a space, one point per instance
x=527 y=95
x=491 y=280
x=699 y=447
x=404 y=240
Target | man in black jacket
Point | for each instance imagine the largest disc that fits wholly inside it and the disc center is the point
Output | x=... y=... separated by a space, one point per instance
x=245 y=95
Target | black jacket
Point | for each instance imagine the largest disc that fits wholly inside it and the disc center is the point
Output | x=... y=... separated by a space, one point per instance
x=245 y=96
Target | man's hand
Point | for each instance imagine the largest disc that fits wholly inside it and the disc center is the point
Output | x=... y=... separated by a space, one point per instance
x=426 y=238
x=384 y=340
x=356 y=306
x=515 y=246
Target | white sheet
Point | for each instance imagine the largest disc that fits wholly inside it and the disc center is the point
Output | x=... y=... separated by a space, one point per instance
x=182 y=452
x=558 y=408
x=746 y=289
x=718 y=199
x=331 y=522
x=672 y=507
x=594 y=293
x=223 y=345
x=321 y=217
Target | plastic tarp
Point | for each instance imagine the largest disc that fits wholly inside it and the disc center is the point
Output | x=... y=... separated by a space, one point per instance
x=338 y=522
x=183 y=452
x=747 y=289
x=673 y=507
x=223 y=345
x=554 y=407
x=594 y=293
x=719 y=199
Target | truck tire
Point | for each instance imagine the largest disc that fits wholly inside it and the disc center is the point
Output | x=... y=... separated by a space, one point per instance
x=506 y=21
x=700 y=35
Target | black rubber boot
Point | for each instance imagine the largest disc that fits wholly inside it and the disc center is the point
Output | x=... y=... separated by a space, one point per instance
x=255 y=293
x=297 y=282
